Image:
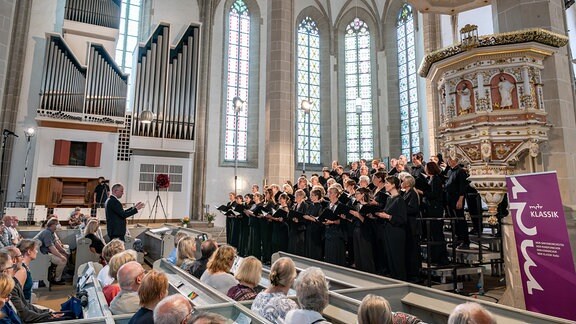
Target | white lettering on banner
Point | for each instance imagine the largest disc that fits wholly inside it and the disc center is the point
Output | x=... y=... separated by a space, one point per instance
x=519 y=209
x=544 y=214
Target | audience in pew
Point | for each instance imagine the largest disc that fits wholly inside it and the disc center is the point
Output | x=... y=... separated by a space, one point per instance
x=130 y=277
x=186 y=252
x=376 y=310
x=91 y=232
x=29 y=250
x=153 y=289
x=312 y=293
x=8 y=314
x=471 y=313
x=58 y=255
x=207 y=248
x=208 y=318
x=76 y=218
x=111 y=249
x=116 y=262
x=173 y=256
x=272 y=303
x=173 y=309
x=217 y=274
x=248 y=276
x=15 y=236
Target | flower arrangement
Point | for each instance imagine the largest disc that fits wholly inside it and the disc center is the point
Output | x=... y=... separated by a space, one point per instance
x=186 y=220
x=210 y=217
x=162 y=181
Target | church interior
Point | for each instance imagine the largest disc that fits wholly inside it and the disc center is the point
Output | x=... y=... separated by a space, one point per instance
x=372 y=139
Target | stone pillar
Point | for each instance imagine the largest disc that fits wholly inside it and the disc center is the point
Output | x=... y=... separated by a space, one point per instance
x=432 y=41
x=280 y=100
x=199 y=171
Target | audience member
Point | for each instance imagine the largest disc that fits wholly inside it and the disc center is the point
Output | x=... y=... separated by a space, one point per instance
x=8 y=313
x=374 y=310
x=174 y=254
x=75 y=218
x=130 y=277
x=91 y=232
x=111 y=249
x=207 y=248
x=471 y=313
x=217 y=274
x=55 y=251
x=6 y=237
x=29 y=250
x=153 y=289
x=272 y=303
x=116 y=262
x=173 y=309
x=16 y=237
x=248 y=276
x=186 y=252
x=312 y=293
x=209 y=318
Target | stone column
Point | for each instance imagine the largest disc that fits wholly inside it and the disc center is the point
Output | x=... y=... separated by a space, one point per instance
x=280 y=99
x=432 y=41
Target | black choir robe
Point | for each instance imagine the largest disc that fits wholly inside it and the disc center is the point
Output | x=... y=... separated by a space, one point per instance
x=363 y=241
x=280 y=231
x=266 y=233
x=413 y=257
x=254 y=239
x=297 y=236
x=334 y=242
x=314 y=233
x=395 y=237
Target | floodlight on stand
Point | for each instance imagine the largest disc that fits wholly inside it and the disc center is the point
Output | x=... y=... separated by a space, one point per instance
x=146 y=117
x=238 y=103
x=29 y=132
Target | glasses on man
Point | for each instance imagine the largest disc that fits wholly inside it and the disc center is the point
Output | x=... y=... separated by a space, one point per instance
x=193 y=312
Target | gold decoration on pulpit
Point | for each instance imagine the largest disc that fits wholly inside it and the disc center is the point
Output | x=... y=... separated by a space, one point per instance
x=502 y=150
x=469 y=36
x=471 y=151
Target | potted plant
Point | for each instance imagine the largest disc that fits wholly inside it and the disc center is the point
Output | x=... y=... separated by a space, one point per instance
x=210 y=217
x=185 y=221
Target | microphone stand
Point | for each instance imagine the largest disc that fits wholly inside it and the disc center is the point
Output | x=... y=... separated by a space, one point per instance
x=5 y=135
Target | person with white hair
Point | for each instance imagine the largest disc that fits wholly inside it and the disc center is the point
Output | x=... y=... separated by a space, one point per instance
x=312 y=293
x=471 y=313
x=173 y=309
x=130 y=277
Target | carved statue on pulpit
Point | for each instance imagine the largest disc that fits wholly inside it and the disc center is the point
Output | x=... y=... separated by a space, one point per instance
x=505 y=88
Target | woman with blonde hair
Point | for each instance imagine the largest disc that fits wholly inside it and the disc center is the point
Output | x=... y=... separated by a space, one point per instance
x=248 y=276
x=217 y=274
x=90 y=232
x=116 y=262
x=111 y=249
x=173 y=256
x=8 y=314
x=29 y=250
x=272 y=303
x=186 y=253
x=374 y=309
x=153 y=289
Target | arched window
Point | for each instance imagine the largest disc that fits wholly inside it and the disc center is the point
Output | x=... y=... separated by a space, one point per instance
x=358 y=70
x=409 y=121
x=128 y=38
x=308 y=90
x=238 y=50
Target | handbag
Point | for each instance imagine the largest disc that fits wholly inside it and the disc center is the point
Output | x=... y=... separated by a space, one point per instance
x=72 y=306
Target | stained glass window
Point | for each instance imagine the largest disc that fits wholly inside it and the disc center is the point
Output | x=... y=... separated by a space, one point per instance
x=308 y=88
x=358 y=71
x=238 y=46
x=409 y=121
x=128 y=38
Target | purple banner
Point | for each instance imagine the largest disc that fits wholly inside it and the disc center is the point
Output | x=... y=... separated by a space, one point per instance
x=544 y=252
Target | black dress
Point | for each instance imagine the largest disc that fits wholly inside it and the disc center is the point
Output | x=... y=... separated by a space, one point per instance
x=266 y=233
x=254 y=239
x=378 y=243
x=363 y=237
x=237 y=227
x=280 y=231
x=434 y=208
x=413 y=258
x=297 y=236
x=395 y=237
x=230 y=205
x=97 y=243
x=315 y=234
x=244 y=232
x=334 y=243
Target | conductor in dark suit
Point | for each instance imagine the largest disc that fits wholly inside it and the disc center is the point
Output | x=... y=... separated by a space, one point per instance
x=116 y=215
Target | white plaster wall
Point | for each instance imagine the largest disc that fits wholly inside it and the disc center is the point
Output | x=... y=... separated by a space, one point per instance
x=45 y=139
x=46 y=16
x=571 y=26
x=78 y=36
x=178 y=13
x=176 y=204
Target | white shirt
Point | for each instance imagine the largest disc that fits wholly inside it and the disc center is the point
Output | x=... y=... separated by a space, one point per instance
x=104 y=278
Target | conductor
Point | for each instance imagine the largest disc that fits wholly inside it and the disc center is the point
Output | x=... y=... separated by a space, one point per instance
x=116 y=215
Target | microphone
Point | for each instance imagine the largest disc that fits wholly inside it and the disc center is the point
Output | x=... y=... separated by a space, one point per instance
x=9 y=132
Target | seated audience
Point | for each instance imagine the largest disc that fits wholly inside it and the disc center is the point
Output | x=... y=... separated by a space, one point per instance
x=4 y=235
x=471 y=313
x=153 y=289
x=116 y=262
x=6 y=238
x=186 y=252
x=217 y=274
x=91 y=232
x=312 y=293
x=272 y=303
x=207 y=248
x=16 y=237
x=248 y=276
x=75 y=218
x=29 y=250
x=130 y=277
x=55 y=251
x=174 y=254
x=209 y=318
x=173 y=309
x=8 y=314
x=111 y=249
x=376 y=310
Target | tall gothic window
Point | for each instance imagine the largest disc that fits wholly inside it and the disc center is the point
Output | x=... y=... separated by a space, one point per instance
x=409 y=121
x=128 y=37
x=238 y=48
x=308 y=85
x=358 y=67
